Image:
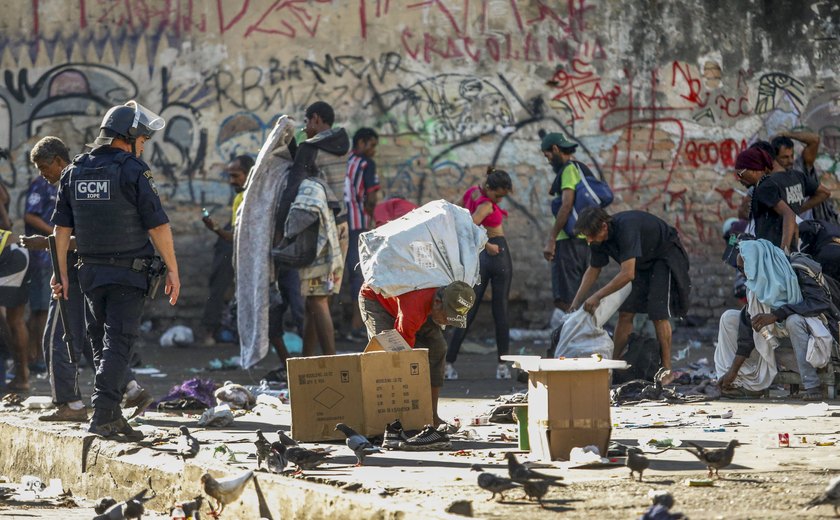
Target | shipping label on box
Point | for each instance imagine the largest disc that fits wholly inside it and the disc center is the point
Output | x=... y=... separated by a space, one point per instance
x=366 y=391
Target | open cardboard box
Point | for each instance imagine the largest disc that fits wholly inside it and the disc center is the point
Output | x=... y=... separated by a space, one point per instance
x=568 y=403
x=388 y=381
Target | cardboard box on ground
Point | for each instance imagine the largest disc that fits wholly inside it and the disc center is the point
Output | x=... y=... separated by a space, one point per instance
x=568 y=404
x=388 y=381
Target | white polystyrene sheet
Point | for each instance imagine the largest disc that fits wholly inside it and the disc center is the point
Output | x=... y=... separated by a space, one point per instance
x=537 y=364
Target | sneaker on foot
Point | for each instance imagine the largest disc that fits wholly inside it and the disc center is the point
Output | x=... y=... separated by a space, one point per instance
x=394 y=435
x=139 y=401
x=430 y=439
x=503 y=371
x=450 y=374
x=65 y=414
x=118 y=428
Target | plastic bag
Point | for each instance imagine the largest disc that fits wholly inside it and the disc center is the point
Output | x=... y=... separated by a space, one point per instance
x=176 y=336
x=581 y=337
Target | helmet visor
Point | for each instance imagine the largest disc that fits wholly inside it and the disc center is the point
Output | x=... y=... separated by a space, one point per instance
x=145 y=120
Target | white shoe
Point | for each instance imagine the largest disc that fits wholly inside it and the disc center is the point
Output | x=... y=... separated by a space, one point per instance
x=450 y=374
x=502 y=371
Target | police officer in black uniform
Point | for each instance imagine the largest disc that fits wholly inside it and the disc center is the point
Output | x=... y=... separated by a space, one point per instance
x=107 y=198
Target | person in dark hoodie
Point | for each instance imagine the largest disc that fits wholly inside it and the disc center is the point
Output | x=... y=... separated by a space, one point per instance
x=323 y=157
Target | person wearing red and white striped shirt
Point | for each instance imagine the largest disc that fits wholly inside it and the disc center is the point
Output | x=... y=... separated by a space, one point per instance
x=361 y=193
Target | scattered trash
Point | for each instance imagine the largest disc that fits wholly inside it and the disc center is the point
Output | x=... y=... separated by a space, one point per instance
x=192 y=394
x=38 y=402
x=700 y=482
x=11 y=400
x=218 y=416
x=293 y=342
x=231 y=363
x=714 y=430
x=146 y=327
x=269 y=400
x=471 y=347
x=53 y=490
x=652 y=442
x=31 y=483
x=177 y=336
x=145 y=371
x=222 y=452
x=159 y=374
x=236 y=396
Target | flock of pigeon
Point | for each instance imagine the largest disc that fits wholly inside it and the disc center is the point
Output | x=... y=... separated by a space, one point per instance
x=277 y=456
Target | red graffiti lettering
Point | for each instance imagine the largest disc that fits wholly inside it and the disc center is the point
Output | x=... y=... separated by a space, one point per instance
x=682 y=73
x=699 y=153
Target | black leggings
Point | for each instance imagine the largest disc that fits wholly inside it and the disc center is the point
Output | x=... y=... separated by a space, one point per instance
x=497 y=270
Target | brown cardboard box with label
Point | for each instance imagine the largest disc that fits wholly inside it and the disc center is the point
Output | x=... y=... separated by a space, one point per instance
x=568 y=404
x=388 y=381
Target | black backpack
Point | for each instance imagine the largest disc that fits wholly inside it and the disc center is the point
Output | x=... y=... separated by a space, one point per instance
x=643 y=356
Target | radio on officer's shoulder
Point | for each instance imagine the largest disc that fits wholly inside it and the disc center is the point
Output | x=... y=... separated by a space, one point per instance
x=155 y=276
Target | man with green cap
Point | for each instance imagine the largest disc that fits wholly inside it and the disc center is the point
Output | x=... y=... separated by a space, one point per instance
x=569 y=255
x=419 y=316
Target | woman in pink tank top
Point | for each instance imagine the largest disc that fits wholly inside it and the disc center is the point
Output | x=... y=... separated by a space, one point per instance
x=495 y=266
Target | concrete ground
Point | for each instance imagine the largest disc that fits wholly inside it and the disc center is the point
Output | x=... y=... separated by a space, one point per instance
x=763 y=482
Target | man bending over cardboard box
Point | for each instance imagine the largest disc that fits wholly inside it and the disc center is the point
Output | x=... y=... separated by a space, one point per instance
x=420 y=316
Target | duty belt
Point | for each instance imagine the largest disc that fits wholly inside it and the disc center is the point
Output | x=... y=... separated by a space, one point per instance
x=140 y=265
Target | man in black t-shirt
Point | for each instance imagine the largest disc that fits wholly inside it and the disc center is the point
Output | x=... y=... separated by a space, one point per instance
x=773 y=218
x=651 y=257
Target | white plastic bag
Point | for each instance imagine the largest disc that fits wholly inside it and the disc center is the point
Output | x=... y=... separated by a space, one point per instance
x=176 y=336
x=582 y=334
x=581 y=337
x=431 y=246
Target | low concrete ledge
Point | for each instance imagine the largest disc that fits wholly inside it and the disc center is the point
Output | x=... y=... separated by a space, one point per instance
x=92 y=468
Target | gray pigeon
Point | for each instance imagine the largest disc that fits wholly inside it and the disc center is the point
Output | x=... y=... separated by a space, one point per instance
x=831 y=495
x=276 y=460
x=188 y=445
x=129 y=510
x=104 y=504
x=306 y=459
x=538 y=489
x=358 y=443
x=263 y=448
x=636 y=461
x=660 y=509
x=493 y=483
x=285 y=439
x=521 y=474
x=224 y=491
x=717 y=458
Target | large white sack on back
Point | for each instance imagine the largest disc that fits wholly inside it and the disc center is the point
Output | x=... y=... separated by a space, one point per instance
x=432 y=246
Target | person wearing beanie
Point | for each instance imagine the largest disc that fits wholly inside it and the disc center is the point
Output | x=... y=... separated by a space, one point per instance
x=771 y=215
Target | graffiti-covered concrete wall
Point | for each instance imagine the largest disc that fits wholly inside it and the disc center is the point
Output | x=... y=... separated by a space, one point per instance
x=660 y=95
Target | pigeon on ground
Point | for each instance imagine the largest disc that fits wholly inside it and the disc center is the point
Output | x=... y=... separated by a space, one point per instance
x=263 y=448
x=104 y=504
x=538 y=488
x=831 y=495
x=306 y=459
x=493 y=483
x=285 y=439
x=129 y=510
x=188 y=445
x=224 y=491
x=521 y=474
x=717 y=458
x=358 y=443
x=191 y=509
x=276 y=460
x=636 y=461
x=663 y=501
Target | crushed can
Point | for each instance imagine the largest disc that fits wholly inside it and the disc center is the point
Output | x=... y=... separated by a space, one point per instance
x=784 y=440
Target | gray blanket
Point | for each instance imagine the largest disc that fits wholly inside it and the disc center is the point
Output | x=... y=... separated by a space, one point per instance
x=253 y=239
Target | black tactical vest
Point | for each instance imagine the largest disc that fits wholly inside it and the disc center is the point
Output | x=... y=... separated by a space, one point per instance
x=105 y=222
